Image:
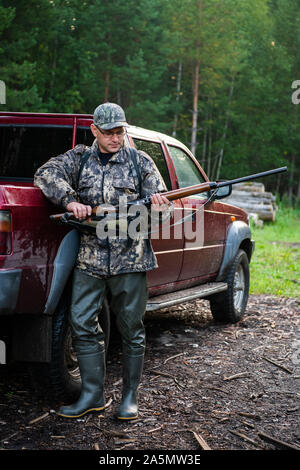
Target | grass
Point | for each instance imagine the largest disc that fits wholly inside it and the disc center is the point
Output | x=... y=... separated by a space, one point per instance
x=275 y=265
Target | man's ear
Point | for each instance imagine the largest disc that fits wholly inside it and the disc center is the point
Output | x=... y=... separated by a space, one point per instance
x=93 y=129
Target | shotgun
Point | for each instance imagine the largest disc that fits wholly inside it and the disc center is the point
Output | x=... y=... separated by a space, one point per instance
x=170 y=195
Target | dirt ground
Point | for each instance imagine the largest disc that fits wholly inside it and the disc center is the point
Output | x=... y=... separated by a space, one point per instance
x=223 y=387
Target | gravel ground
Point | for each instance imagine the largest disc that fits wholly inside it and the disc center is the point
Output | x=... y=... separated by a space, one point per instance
x=205 y=385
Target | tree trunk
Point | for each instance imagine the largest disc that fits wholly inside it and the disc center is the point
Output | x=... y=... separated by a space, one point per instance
x=225 y=130
x=178 y=90
x=53 y=69
x=196 y=84
x=204 y=147
x=107 y=85
x=291 y=179
x=209 y=143
x=298 y=192
x=195 y=108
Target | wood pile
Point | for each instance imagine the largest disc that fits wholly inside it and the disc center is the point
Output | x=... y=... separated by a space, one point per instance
x=253 y=198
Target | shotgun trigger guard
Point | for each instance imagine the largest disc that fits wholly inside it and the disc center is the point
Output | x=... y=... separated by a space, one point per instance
x=144 y=202
x=65 y=217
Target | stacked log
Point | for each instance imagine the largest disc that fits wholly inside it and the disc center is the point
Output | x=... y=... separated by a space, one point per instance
x=253 y=198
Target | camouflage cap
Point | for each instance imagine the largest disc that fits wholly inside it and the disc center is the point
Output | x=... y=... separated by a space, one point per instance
x=109 y=115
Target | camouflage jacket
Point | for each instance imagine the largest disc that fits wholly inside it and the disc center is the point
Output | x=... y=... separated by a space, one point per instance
x=100 y=184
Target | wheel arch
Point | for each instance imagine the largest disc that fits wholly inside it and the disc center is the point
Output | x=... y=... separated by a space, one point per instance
x=238 y=237
x=247 y=245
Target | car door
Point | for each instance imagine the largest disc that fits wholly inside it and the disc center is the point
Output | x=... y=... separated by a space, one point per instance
x=204 y=224
x=166 y=243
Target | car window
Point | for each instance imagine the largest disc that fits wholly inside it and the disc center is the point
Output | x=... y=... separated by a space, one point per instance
x=186 y=170
x=84 y=136
x=154 y=150
x=23 y=149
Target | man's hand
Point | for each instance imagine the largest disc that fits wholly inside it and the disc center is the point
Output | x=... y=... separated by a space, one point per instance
x=159 y=202
x=80 y=211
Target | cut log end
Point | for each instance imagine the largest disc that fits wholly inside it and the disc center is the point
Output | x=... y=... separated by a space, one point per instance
x=252 y=198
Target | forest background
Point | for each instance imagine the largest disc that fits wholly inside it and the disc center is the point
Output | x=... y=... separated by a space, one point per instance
x=222 y=76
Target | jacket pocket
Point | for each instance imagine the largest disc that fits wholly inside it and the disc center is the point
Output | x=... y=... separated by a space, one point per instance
x=124 y=187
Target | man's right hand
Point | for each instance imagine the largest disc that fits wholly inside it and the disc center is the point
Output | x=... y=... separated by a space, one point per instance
x=80 y=211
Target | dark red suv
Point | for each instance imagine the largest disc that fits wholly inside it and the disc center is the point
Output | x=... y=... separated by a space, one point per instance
x=38 y=256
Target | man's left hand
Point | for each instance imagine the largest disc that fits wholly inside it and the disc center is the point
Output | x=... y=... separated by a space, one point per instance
x=159 y=202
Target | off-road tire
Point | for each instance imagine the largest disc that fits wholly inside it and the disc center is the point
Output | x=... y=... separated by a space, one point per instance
x=229 y=306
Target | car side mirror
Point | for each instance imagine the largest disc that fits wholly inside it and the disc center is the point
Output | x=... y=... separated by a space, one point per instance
x=223 y=192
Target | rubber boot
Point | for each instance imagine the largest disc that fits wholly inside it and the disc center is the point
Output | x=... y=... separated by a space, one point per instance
x=132 y=372
x=92 y=370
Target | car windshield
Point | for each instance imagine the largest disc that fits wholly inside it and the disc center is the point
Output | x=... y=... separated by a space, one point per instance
x=186 y=170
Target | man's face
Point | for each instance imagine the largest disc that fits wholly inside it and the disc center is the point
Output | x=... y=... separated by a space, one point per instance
x=108 y=141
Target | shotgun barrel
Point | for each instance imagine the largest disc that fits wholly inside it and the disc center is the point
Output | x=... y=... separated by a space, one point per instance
x=203 y=187
x=253 y=177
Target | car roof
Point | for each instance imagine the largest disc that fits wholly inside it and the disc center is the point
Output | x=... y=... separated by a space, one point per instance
x=142 y=133
x=133 y=131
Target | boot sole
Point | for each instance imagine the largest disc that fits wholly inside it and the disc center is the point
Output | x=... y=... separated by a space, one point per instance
x=90 y=410
x=128 y=418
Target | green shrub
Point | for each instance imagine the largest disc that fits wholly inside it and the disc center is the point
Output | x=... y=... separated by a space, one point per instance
x=275 y=265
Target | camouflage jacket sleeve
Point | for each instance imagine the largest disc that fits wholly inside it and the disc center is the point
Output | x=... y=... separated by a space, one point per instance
x=57 y=177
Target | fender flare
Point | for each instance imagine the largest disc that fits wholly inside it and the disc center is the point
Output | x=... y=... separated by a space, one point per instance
x=237 y=233
x=63 y=265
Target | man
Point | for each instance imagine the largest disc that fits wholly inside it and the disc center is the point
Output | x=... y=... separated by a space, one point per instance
x=112 y=264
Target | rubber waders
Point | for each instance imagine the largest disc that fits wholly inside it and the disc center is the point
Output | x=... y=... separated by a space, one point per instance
x=92 y=370
x=132 y=372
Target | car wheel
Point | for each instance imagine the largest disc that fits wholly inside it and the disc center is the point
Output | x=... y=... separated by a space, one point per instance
x=61 y=376
x=230 y=306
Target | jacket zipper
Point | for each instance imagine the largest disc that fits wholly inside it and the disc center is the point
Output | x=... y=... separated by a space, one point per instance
x=107 y=241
